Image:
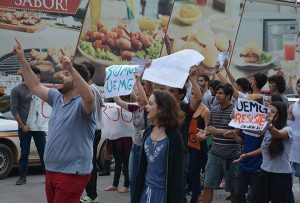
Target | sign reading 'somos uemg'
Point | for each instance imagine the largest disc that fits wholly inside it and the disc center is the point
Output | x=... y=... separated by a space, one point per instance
x=57 y=6
x=249 y=115
x=119 y=80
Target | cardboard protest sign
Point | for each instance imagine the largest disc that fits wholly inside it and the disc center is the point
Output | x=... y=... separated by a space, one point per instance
x=173 y=70
x=116 y=122
x=43 y=27
x=119 y=80
x=249 y=115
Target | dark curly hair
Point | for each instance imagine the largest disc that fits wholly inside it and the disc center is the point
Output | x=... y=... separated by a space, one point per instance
x=227 y=88
x=279 y=81
x=276 y=146
x=169 y=112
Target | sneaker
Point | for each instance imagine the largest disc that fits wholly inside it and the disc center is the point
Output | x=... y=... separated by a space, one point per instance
x=87 y=199
x=21 y=181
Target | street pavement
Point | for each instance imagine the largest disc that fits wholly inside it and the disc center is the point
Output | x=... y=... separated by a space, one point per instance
x=33 y=190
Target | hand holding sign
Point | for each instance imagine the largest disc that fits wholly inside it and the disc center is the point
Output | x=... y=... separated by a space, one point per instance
x=249 y=115
x=172 y=70
x=222 y=59
x=192 y=72
x=119 y=80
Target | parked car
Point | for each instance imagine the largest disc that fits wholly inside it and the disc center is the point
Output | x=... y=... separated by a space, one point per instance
x=10 y=145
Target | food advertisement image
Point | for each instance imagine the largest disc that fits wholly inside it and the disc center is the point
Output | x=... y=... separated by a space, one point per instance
x=207 y=26
x=115 y=32
x=44 y=28
x=268 y=41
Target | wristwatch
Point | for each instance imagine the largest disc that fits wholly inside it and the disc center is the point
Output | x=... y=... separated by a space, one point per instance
x=270 y=127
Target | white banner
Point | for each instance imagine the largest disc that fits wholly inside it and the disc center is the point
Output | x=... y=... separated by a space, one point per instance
x=116 y=122
x=39 y=114
x=119 y=80
x=173 y=70
x=249 y=115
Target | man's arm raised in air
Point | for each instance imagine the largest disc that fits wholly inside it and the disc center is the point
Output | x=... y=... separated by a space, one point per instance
x=31 y=80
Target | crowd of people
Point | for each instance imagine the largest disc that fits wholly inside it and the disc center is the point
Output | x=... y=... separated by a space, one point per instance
x=181 y=134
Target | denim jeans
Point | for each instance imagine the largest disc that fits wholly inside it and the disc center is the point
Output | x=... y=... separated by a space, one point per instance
x=133 y=167
x=91 y=187
x=39 y=138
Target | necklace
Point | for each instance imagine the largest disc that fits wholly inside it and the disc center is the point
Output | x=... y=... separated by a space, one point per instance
x=156 y=134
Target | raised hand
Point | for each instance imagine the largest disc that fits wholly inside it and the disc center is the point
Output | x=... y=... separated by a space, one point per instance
x=137 y=76
x=66 y=62
x=18 y=50
x=148 y=64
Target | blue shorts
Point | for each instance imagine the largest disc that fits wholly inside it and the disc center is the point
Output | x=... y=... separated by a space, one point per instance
x=217 y=168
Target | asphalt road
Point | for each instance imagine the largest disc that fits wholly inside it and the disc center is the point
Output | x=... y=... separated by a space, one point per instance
x=33 y=190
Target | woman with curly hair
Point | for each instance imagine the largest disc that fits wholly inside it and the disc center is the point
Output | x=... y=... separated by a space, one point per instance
x=160 y=173
x=275 y=181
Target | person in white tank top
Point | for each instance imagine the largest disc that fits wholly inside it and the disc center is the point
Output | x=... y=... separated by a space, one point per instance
x=294 y=116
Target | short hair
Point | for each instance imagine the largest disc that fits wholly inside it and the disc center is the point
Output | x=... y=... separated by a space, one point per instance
x=205 y=77
x=214 y=84
x=36 y=70
x=169 y=112
x=227 y=88
x=82 y=70
x=279 y=81
x=244 y=84
x=91 y=69
x=260 y=80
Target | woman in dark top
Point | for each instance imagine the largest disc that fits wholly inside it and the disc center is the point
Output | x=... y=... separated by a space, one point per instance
x=160 y=174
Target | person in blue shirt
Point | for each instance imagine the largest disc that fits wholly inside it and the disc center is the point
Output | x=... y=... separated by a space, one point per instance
x=69 y=147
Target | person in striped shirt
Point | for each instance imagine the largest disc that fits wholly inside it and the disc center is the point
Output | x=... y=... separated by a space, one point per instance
x=224 y=148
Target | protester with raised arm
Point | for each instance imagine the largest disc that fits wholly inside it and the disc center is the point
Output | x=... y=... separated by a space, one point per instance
x=140 y=123
x=69 y=148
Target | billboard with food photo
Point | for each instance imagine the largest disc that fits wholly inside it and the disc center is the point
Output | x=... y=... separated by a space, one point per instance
x=268 y=41
x=207 y=26
x=44 y=28
x=115 y=32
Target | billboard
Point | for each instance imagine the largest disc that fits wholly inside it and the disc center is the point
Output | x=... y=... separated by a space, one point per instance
x=268 y=41
x=43 y=28
x=115 y=32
